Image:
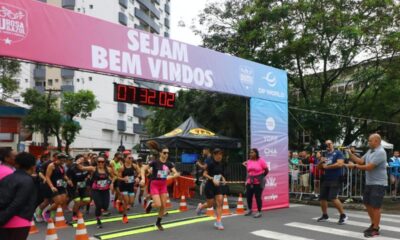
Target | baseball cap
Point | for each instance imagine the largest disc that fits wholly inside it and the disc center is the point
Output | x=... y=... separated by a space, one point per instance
x=217 y=150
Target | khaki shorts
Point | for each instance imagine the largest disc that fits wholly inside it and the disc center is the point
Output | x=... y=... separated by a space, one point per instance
x=304 y=180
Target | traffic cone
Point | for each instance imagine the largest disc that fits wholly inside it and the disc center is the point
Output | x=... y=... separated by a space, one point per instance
x=182 y=205
x=169 y=204
x=81 y=232
x=240 y=206
x=60 y=220
x=210 y=212
x=51 y=231
x=225 y=207
x=33 y=228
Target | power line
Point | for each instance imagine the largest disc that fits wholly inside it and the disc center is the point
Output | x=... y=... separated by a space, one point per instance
x=343 y=116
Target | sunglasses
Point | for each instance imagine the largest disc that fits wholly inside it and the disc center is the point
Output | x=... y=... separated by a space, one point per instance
x=165 y=153
x=100 y=161
x=130 y=158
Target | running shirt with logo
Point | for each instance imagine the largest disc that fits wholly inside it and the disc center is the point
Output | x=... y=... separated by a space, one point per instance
x=101 y=181
x=160 y=171
x=57 y=178
x=332 y=158
x=117 y=165
x=215 y=170
x=78 y=177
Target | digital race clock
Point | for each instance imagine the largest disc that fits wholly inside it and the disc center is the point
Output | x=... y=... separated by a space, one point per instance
x=143 y=96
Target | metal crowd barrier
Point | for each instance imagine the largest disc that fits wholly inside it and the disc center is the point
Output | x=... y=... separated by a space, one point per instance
x=305 y=180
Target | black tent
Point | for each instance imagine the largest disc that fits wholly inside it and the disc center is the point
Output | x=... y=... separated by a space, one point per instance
x=191 y=134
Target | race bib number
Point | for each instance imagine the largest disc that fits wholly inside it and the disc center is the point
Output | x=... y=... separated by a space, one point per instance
x=61 y=183
x=81 y=184
x=162 y=174
x=131 y=179
x=217 y=178
x=102 y=183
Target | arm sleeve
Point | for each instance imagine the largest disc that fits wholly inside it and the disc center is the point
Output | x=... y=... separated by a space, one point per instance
x=339 y=155
x=22 y=195
x=171 y=165
x=379 y=158
x=263 y=164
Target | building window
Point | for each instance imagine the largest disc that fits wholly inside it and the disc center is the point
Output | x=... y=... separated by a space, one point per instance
x=50 y=82
x=91 y=6
x=56 y=80
x=26 y=80
x=90 y=78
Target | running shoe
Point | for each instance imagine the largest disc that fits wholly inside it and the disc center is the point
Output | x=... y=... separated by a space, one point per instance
x=324 y=218
x=46 y=216
x=369 y=229
x=166 y=214
x=38 y=217
x=74 y=218
x=199 y=211
x=106 y=213
x=159 y=226
x=248 y=213
x=372 y=233
x=342 y=220
x=125 y=219
x=149 y=206
x=99 y=224
x=219 y=226
x=257 y=215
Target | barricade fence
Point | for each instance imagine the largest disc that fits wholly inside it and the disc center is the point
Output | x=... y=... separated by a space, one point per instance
x=306 y=180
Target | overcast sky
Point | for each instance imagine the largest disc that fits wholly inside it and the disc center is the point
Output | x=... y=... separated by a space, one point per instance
x=184 y=11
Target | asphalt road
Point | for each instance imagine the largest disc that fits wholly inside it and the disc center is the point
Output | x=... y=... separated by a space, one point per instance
x=294 y=223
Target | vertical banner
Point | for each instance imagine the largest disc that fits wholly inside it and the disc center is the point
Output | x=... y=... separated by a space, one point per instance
x=269 y=134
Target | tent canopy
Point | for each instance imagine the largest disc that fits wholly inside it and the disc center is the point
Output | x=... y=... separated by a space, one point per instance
x=191 y=134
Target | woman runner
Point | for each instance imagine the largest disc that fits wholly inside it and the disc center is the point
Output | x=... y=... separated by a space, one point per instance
x=161 y=169
x=128 y=177
x=101 y=184
x=116 y=165
x=214 y=174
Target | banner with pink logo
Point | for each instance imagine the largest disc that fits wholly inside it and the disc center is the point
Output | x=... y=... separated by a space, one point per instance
x=269 y=134
x=38 y=32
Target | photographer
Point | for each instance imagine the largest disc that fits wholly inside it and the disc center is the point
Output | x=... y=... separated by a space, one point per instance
x=332 y=162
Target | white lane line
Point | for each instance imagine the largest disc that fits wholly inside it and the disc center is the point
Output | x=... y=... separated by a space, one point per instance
x=365 y=216
x=333 y=231
x=366 y=225
x=277 y=235
x=296 y=205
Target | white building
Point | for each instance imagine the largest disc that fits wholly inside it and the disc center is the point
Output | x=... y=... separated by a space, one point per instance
x=111 y=121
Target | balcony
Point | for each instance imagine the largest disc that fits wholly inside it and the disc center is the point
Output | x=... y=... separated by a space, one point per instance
x=40 y=89
x=166 y=22
x=157 y=1
x=68 y=4
x=45 y=1
x=140 y=112
x=140 y=27
x=121 y=107
x=147 y=19
x=166 y=8
x=123 y=3
x=39 y=73
x=121 y=125
x=166 y=34
x=67 y=73
x=139 y=129
x=149 y=5
x=67 y=88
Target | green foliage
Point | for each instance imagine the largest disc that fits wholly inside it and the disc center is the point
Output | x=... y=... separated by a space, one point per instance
x=224 y=114
x=322 y=44
x=8 y=71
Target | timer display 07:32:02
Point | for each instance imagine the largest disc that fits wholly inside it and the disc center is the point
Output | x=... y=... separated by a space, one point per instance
x=143 y=96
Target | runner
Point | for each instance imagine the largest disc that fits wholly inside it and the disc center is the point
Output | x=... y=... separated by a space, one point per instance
x=102 y=182
x=160 y=171
x=80 y=194
x=128 y=177
x=116 y=165
x=214 y=174
x=57 y=180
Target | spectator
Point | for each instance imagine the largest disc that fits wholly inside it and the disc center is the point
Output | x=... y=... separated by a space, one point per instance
x=294 y=171
x=376 y=181
x=18 y=202
x=315 y=173
x=332 y=162
x=207 y=156
x=394 y=172
x=7 y=162
x=304 y=171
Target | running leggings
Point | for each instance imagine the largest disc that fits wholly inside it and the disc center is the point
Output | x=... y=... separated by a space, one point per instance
x=254 y=190
x=14 y=233
x=101 y=200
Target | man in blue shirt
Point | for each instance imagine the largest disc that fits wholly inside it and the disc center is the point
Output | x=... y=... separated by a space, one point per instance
x=394 y=171
x=376 y=181
x=331 y=164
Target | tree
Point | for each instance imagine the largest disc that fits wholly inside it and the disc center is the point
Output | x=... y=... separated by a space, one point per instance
x=8 y=71
x=224 y=114
x=43 y=116
x=322 y=44
x=80 y=104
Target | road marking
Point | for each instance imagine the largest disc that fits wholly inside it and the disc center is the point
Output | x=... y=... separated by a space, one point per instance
x=116 y=219
x=366 y=225
x=277 y=235
x=365 y=216
x=333 y=231
x=296 y=205
x=148 y=228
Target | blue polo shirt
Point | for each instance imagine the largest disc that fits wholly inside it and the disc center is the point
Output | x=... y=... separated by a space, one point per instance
x=332 y=158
